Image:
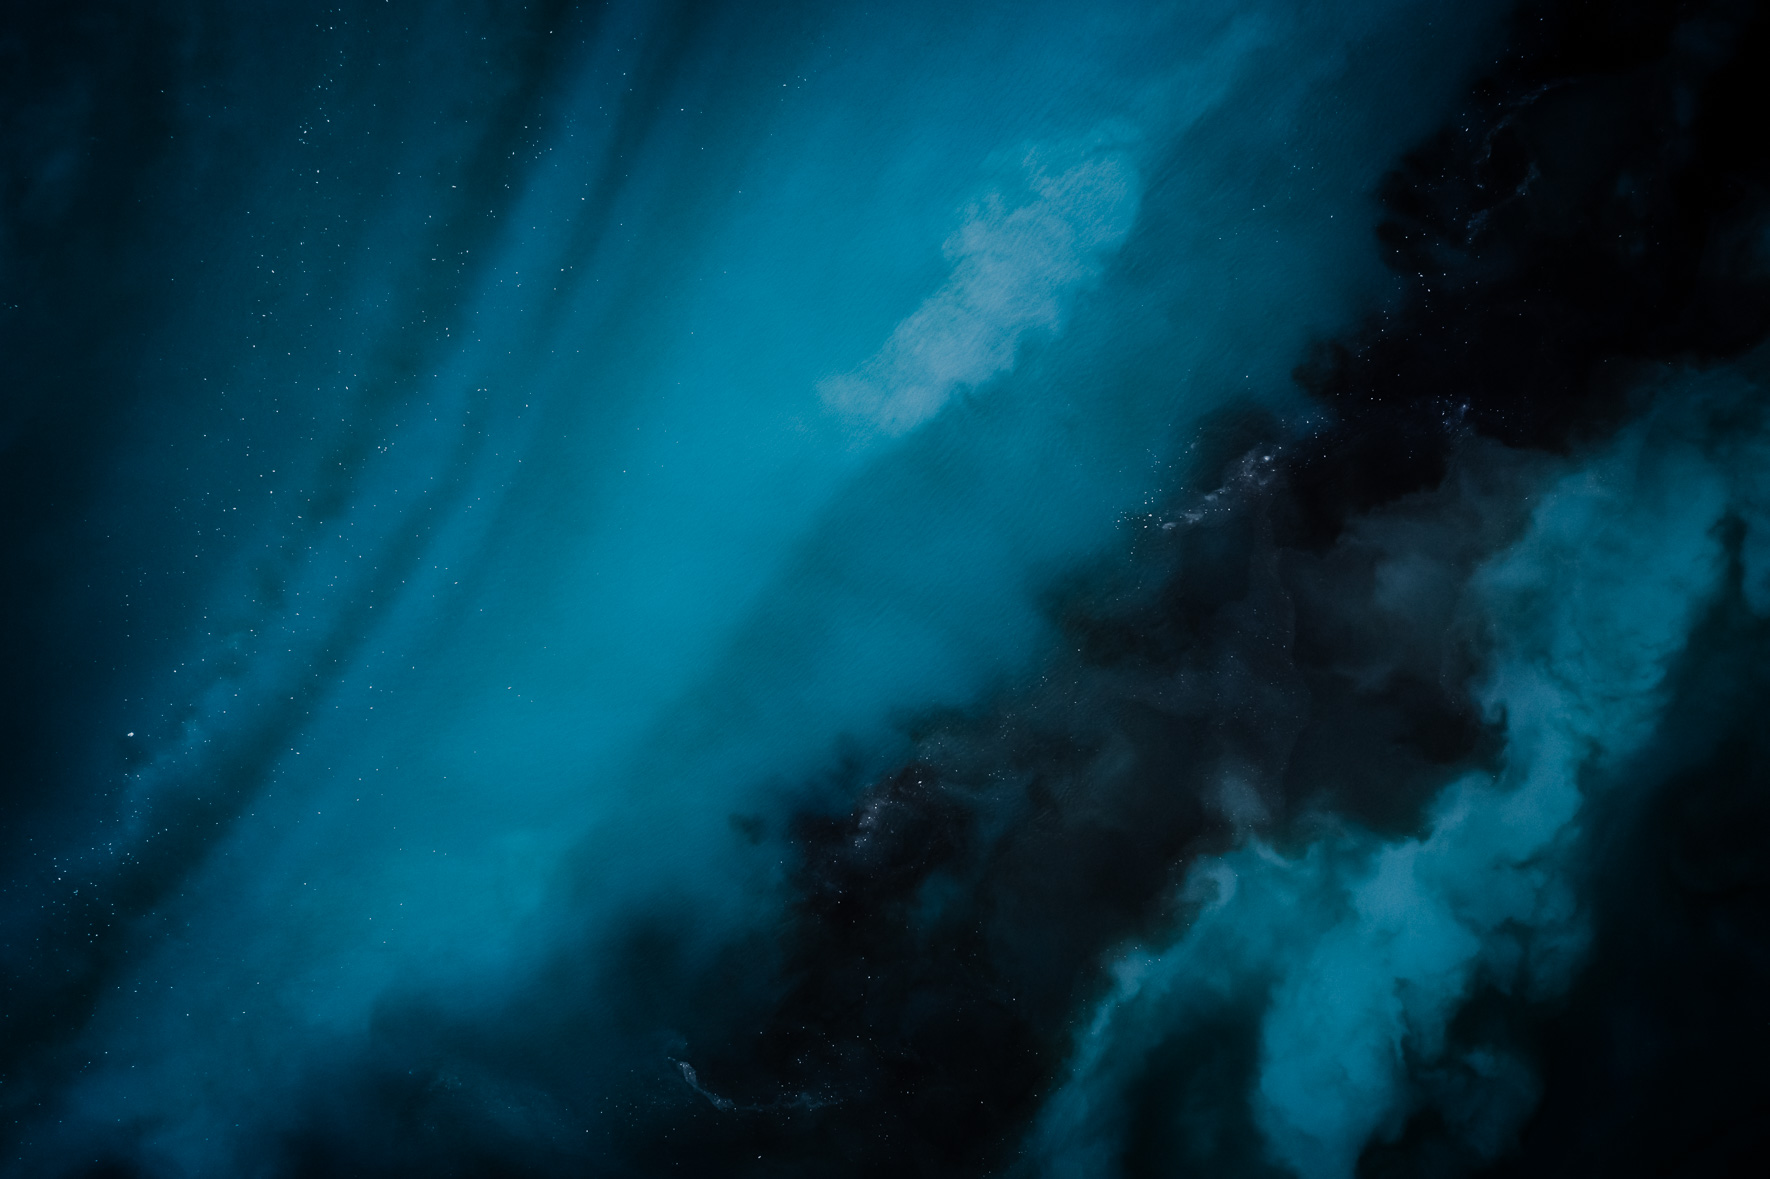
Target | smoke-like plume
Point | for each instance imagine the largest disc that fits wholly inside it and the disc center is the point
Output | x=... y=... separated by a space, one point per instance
x=1368 y=948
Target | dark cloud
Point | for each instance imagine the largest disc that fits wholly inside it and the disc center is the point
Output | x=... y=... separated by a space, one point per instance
x=1287 y=645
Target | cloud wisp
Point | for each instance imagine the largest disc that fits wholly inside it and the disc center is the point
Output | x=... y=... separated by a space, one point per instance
x=1016 y=265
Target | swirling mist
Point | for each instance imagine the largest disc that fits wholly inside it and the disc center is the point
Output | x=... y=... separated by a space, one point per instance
x=1043 y=590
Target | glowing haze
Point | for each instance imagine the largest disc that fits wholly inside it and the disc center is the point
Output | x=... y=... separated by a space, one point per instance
x=921 y=589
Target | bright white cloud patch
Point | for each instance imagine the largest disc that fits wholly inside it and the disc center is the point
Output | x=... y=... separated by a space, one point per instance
x=1015 y=265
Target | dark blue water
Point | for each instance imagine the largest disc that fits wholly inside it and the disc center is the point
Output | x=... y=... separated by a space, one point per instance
x=482 y=482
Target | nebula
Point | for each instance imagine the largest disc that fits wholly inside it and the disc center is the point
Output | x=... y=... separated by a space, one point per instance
x=787 y=590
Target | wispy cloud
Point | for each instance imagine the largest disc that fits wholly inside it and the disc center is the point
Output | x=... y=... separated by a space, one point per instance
x=1361 y=950
x=1015 y=268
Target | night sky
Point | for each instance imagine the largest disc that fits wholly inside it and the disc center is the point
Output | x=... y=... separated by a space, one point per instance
x=1045 y=590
